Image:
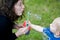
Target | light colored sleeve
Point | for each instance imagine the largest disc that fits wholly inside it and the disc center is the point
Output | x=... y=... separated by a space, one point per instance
x=37 y=28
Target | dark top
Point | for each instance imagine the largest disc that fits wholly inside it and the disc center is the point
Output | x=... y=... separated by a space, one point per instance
x=6 y=27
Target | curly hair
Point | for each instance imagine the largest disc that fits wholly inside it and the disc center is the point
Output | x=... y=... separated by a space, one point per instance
x=7 y=8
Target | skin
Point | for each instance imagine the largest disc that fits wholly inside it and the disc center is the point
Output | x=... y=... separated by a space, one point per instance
x=19 y=8
x=53 y=28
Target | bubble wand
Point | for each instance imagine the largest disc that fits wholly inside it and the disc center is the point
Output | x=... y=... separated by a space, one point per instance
x=26 y=23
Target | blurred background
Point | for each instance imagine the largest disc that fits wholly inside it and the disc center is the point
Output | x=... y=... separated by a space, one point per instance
x=41 y=12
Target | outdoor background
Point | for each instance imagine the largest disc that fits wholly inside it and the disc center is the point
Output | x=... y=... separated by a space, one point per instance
x=42 y=12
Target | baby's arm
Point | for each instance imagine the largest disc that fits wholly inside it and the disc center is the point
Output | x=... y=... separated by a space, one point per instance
x=37 y=28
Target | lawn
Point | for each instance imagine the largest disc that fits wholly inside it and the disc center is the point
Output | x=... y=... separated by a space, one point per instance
x=46 y=10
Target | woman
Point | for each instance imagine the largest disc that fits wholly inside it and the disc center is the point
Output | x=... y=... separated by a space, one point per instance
x=10 y=10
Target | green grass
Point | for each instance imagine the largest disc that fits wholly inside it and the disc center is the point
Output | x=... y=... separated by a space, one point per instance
x=48 y=11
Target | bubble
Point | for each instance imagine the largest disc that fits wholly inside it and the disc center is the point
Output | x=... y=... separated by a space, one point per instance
x=36 y=16
x=29 y=13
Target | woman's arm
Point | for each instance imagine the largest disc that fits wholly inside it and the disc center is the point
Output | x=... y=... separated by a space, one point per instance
x=17 y=26
x=37 y=28
x=19 y=32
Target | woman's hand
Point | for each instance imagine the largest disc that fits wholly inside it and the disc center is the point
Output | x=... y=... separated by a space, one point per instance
x=21 y=31
x=18 y=26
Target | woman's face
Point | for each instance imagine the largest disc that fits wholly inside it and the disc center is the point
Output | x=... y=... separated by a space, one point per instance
x=19 y=8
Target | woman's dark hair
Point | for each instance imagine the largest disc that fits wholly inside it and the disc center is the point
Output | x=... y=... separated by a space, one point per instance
x=7 y=8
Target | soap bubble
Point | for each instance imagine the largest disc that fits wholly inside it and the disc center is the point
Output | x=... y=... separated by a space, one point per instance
x=34 y=16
